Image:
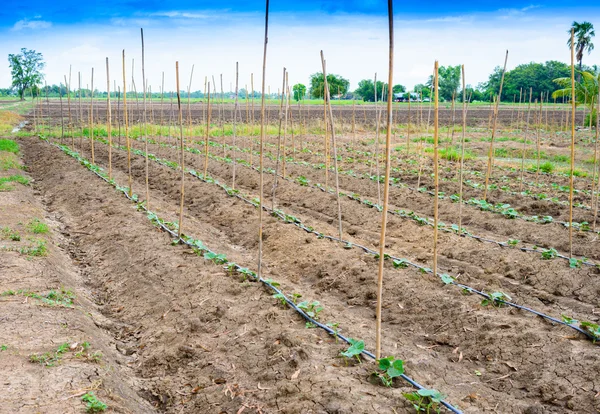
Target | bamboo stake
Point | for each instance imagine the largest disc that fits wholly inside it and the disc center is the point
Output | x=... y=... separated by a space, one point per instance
x=206 y=138
x=491 y=151
x=388 y=145
x=537 y=140
x=594 y=203
x=252 y=113
x=235 y=111
x=262 y=142
x=427 y=133
x=571 y=180
x=145 y=86
x=126 y=121
x=62 y=125
x=162 y=98
x=525 y=139
x=108 y=121
x=376 y=143
x=278 y=146
x=335 y=162
x=92 y=116
x=68 y=85
x=435 y=167
x=462 y=151
x=182 y=146
x=119 y=112
x=221 y=116
x=326 y=146
x=408 y=127
x=189 y=106
x=353 y=120
x=519 y=107
x=285 y=124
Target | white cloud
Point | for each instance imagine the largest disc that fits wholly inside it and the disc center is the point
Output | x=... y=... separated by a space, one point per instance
x=31 y=24
x=181 y=14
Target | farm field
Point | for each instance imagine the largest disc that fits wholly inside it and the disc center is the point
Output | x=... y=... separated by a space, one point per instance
x=510 y=324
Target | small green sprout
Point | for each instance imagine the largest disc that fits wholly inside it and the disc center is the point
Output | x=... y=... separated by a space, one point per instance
x=355 y=349
x=425 y=400
x=94 y=405
x=496 y=299
x=391 y=368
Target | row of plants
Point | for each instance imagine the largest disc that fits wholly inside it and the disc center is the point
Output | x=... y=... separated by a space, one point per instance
x=497 y=298
x=389 y=368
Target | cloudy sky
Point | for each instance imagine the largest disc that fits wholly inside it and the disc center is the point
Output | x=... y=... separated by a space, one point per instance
x=352 y=34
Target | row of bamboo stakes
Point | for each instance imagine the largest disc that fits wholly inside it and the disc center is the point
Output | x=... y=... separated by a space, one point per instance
x=329 y=144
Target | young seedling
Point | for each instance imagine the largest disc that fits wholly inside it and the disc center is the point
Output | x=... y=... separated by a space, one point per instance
x=94 y=405
x=312 y=309
x=549 y=254
x=295 y=297
x=496 y=299
x=391 y=368
x=281 y=298
x=49 y=359
x=355 y=349
x=425 y=400
x=335 y=327
x=37 y=227
x=513 y=242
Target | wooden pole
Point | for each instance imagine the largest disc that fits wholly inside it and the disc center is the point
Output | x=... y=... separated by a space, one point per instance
x=594 y=204
x=252 y=113
x=182 y=149
x=388 y=146
x=537 y=140
x=92 y=117
x=278 y=146
x=207 y=135
x=235 y=111
x=462 y=151
x=491 y=151
x=126 y=122
x=69 y=109
x=108 y=121
x=376 y=143
x=262 y=142
x=525 y=139
x=335 y=162
x=435 y=166
x=145 y=87
x=571 y=181
x=285 y=124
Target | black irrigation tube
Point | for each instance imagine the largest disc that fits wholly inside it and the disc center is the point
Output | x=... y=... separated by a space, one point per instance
x=451 y=280
x=277 y=291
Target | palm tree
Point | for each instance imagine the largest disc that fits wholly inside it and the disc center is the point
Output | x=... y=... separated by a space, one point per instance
x=586 y=89
x=584 y=32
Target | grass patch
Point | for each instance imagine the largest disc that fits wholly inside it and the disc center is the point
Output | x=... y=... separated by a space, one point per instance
x=4 y=182
x=50 y=359
x=9 y=161
x=547 y=167
x=454 y=154
x=11 y=234
x=8 y=120
x=37 y=227
x=9 y=145
x=56 y=297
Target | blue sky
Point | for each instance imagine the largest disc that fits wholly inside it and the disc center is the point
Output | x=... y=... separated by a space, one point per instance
x=351 y=33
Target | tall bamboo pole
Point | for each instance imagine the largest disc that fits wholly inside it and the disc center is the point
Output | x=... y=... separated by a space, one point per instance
x=182 y=149
x=207 y=135
x=525 y=139
x=126 y=122
x=69 y=109
x=462 y=151
x=537 y=140
x=108 y=121
x=491 y=151
x=388 y=146
x=571 y=181
x=274 y=189
x=252 y=113
x=235 y=111
x=62 y=122
x=262 y=142
x=376 y=143
x=327 y=97
x=92 y=116
x=594 y=204
x=435 y=166
x=145 y=87
x=285 y=124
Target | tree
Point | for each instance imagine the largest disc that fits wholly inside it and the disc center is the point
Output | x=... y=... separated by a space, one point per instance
x=583 y=39
x=423 y=90
x=337 y=85
x=366 y=90
x=398 y=88
x=586 y=89
x=299 y=91
x=449 y=81
x=26 y=70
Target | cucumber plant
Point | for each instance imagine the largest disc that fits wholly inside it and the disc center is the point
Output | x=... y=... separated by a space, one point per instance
x=425 y=400
x=390 y=368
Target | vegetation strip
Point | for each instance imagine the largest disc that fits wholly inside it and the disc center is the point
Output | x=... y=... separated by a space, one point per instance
x=222 y=260
x=495 y=298
x=546 y=254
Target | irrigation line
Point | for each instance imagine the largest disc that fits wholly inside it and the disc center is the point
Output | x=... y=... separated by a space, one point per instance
x=411 y=215
x=398 y=261
x=195 y=243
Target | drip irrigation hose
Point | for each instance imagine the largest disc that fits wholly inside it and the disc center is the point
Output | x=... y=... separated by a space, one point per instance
x=299 y=224
x=267 y=283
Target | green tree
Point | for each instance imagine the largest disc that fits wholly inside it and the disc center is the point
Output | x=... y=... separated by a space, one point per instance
x=423 y=90
x=366 y=90
x=583 y=39
x=299 y=91
x=586 y=89
x=448 y=82
x=336 y=83
x=26 y=70
x=399 y=88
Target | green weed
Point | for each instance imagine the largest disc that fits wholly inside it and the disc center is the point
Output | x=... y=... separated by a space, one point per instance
x=37 y=227
x=4 y=182
x=9 y=145
x=93 y=404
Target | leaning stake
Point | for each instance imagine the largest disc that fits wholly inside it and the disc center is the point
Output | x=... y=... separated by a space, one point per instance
x=388 y=145
x=108 y=121
x=572 y=143
x=262 y=142
x=182 y=161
